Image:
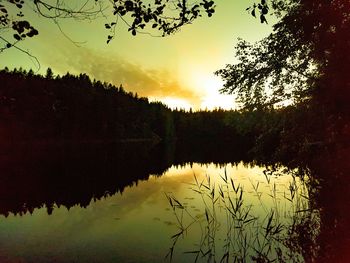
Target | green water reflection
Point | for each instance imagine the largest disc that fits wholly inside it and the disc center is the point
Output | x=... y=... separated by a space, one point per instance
x=139 y=224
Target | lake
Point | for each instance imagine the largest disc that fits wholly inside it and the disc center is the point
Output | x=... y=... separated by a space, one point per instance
x=105 y=204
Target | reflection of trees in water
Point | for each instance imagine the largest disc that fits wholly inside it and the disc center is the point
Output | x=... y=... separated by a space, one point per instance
x=233 y=227
x=35 y=174
x=68 y=175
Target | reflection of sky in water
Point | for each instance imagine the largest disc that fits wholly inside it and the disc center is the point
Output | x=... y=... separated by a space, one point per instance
x=134 y=226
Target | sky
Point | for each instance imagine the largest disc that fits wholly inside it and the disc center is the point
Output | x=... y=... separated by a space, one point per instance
x=176 y=70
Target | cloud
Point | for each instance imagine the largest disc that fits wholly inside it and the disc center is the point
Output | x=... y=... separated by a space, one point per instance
x=155 y=83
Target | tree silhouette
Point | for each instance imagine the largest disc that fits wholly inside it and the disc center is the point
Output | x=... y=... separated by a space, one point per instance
x=305 y=60
x=307 y=44
x=162 y=15
x=157 y=18
x=76 y=109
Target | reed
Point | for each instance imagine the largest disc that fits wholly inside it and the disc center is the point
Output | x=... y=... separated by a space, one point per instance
x=234 y=230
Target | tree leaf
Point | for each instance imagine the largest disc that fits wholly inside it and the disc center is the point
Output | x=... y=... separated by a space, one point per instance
x=263 y=19
x=17 y=37
x=253 y=13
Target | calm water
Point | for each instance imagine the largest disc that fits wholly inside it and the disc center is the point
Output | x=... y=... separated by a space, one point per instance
x=178 y=214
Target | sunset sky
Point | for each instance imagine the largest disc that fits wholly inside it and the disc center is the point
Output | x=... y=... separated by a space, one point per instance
x=177 y=70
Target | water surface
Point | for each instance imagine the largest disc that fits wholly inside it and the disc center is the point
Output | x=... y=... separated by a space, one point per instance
x=139 y=224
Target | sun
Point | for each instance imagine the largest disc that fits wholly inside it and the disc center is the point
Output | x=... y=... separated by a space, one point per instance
x=205 y=85
x=210 y=85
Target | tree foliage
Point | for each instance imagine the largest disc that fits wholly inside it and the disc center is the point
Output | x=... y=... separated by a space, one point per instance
x=163 y=16
x=306 y=57
x=271 y=72
x=167 y=16
x=15 y=25
x=154 y=17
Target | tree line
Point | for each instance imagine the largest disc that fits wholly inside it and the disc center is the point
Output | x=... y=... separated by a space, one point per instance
x=77 y=109
x=74 y=108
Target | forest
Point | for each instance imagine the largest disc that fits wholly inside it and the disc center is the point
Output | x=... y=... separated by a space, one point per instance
x=77 y=109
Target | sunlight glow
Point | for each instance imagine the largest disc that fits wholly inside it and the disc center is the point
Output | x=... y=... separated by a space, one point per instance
x=216 y=101
x=174 y=103
x=212 y=99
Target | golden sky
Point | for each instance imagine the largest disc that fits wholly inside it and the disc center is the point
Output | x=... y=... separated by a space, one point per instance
x=177 y=70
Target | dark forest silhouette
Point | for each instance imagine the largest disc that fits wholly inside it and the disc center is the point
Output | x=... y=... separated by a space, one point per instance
x=75 y=109
x=36 y=175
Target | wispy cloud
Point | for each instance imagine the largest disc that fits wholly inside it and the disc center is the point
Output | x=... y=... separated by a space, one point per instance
x=155 y=83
